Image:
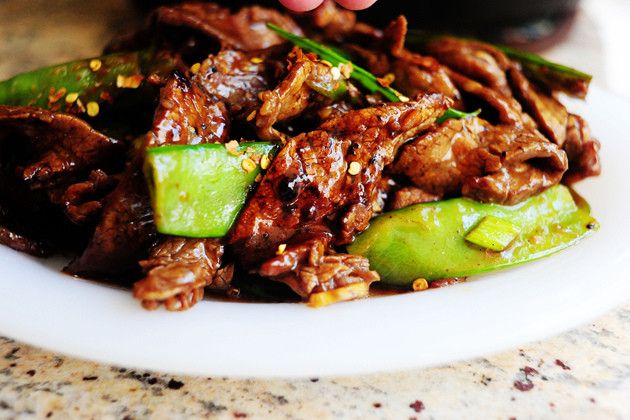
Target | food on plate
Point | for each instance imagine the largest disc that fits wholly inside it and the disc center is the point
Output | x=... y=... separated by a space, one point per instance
x=255 y=154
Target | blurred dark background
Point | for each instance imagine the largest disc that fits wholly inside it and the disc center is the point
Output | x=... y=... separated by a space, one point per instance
x=533 y=23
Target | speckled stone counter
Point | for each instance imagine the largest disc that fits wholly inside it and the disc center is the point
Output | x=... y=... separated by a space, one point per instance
x=584 y=373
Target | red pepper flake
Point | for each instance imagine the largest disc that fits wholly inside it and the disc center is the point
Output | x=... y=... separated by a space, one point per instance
x=107 y=97
x=55 y=96
x=529 y=371
x=562 y=364
x=592 y=400
x=239 y=415
x=417 y=406
x=377 y=405
x=524 y=386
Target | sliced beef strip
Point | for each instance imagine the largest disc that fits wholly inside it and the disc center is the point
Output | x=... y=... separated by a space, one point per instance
x=508 y=110
x=194 y=29
x=82 y=201
x=56 y=147
x=312 y=267
x=299 y=91
x=469 y=157
x=244 y=30
x=126 y=231
x=408 y=196
x=308 y=186
x=475 y=60
x=177 y=272
x=178 y=269
x=550 y=115
x=582 y=151
x=188 y=115
x=237 y=78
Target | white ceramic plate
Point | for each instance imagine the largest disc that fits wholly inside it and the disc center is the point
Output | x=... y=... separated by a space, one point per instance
x=40 y=306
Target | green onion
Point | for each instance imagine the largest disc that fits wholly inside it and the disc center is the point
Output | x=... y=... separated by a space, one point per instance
x=364 y=77
x=453 y=113
x=493 y=233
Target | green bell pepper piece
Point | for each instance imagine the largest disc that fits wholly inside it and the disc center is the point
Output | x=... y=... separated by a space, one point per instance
x=428 y=240
x=197 y=191
x=99 y=80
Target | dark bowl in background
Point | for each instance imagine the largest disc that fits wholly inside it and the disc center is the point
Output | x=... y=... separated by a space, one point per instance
x=511 y=21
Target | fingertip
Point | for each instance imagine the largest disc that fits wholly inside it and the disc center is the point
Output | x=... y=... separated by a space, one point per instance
x=356 y=4
x=301 y=5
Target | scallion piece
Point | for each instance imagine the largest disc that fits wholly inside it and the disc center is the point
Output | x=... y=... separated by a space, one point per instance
x=493 y=233
x=453 y=113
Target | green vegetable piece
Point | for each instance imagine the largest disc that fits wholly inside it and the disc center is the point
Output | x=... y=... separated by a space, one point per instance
x=556 y=76
x=427 y=240
x=367 y=79
x=70 y=87
x=453 y=113
x=493 y=233
x=197 y=191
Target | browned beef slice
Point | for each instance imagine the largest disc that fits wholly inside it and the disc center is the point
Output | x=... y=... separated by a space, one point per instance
x=311 y=267
x=57 y=147
x=83 y=201
x=295 y=94
x=308 y=184
x=178 y=270
x=508 y=109
x=550 y=115
x=236 y=78
x=244 y=30
x=408 y=196
x=187 y=115
x=416 y=73
x=124 y=232
x=22 y=243
x=501 y=164
x=475 y=60
x=582 y=151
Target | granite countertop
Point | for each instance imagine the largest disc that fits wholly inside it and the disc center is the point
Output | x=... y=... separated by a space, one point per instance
x=584 y=373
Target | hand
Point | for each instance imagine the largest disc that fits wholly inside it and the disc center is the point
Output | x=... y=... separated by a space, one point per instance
x=305 y=5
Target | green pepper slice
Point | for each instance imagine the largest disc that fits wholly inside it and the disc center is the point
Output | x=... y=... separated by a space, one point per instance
x=429 y=240
x=197 y=191
x=70 y=87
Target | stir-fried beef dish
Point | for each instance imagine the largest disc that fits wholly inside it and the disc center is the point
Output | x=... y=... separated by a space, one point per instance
x=277 y=140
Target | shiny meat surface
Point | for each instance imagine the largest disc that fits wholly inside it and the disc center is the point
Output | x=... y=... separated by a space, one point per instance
x=310 y=83
x=582 y=151
x=550 y=115
x=187 y=115
x=312 y=267
x=177 y=272
x=178 y=269
x=236 y=78
x=329 y=177
x=244 y=30
x=64 y=146
x=469 y=157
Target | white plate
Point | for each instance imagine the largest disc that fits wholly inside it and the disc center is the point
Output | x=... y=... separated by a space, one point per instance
x=42 y=307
